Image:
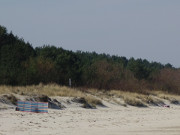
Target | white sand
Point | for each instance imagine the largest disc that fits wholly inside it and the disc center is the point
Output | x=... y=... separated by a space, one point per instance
x=114 y=120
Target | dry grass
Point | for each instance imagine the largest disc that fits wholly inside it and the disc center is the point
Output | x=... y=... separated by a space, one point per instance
x=93 y=101
x=50 y=90
x=136 y=99
x=134 y=102
x=129 y=98
x=88 y=101
x=11 y=98
x=92 y=96
x=174 y=99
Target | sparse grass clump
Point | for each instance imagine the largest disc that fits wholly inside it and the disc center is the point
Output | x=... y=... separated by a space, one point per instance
x=136 y=99
x=10 y=98
x=88 y=101
x=134 y=102
x=152 y=100
x=174 y=99
x=129 y=98
x=93 y=101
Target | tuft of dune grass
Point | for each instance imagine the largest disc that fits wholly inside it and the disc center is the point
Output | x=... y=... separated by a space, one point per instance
x=174 y=99
x=136 y=99
x=88 y=101
x=93 y=101
x=134 y=102
x=10 y=98
x=152 y=100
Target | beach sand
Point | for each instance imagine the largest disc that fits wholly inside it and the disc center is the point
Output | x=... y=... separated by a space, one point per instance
x=111 y=120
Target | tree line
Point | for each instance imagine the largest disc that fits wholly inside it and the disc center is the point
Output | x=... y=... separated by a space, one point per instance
x=21 y=64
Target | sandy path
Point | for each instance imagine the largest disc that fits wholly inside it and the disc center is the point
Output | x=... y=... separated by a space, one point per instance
x=101 y=121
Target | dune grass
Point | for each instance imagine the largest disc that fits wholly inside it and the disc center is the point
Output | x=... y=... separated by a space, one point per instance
x=133 y=99
x=174 y=99
x=136 y=99
x=50 y=90
x=94 y=96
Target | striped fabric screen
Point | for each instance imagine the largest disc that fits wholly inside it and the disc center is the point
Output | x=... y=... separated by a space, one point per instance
x=27 y=106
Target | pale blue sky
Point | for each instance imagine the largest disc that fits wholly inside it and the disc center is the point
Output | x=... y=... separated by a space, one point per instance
x=147 y=29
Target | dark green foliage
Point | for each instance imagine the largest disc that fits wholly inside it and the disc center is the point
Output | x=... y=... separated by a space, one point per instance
x=21 y=64
x=13 y=53
x=65 y=64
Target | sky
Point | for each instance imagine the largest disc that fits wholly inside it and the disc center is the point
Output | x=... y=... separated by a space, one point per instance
x=147 y=29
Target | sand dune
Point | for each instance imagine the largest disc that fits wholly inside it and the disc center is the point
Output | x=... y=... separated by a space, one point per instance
x=111 y=120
